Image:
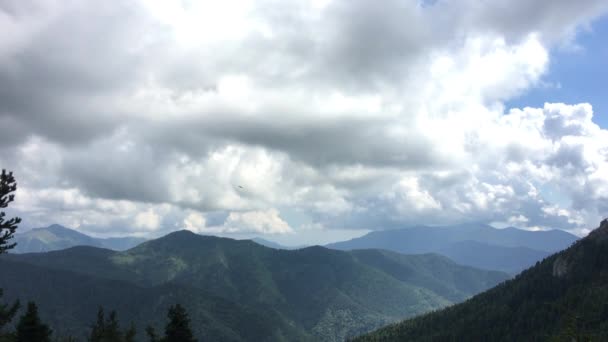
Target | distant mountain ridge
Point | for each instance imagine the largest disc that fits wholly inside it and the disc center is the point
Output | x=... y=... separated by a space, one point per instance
x=57 y=237
x=492 y=257
x=562 y=298
x=309 y=294
x=509 y=250
x=273 y=244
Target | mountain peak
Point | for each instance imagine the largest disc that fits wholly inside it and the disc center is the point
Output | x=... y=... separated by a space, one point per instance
x=182 y=233
x=179 y=237
x=56 y=237
x=56 y=226
x=57 y=231
x=600 y=234
x=186 y=239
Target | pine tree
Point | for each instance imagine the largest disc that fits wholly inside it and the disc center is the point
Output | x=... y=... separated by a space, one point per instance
x=178 y=328
x=151 y=332
x=112 y=331
x=7 y=229
x=30 y=328
x=152 y=336
x=130 y=333
x=98 y=328
x=108 y=329
x=7 y=312
x=8 y=185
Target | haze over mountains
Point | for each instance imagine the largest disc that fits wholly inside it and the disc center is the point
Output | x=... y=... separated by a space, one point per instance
x=237 y=290
x=563 y=298
x=303 y=123
x=273 y=244
x=242 y=290
x=56 y=237
x=510 y=249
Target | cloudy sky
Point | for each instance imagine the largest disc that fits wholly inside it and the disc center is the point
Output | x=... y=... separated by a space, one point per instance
x=304 y=121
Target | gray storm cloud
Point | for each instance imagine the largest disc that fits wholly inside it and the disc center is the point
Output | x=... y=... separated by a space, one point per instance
x=354 y=113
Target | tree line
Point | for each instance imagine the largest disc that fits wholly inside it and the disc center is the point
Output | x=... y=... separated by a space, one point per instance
x=106 y=328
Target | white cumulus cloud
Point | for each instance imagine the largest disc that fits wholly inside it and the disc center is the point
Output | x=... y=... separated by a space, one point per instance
x=144 y=117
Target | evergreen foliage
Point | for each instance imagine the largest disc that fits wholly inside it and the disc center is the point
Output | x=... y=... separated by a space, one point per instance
x=562 y=298
x=238 y=290
x=8 y=185
x=108 y=329
x=30 y=328
x=7 y=312
x=152 y=335
x=178 y=328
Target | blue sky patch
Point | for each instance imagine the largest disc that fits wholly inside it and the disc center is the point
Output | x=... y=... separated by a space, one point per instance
x=576 y=75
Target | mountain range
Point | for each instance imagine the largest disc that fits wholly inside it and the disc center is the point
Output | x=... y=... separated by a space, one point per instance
x=509 y=250
x=238 y=290
x=273 y=244
x=56 y=237
x=562 y=298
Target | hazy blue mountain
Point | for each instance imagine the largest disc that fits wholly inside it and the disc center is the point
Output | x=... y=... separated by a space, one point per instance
x=562 y=298
x=273 y=244
x=314 y=293
x=121 y=243
x=430 y=271
x=56 y=237
x=475 y=245
x=492 y=257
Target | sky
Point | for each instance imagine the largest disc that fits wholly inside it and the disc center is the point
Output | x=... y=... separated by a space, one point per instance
x=576 y=73
x=304 y=121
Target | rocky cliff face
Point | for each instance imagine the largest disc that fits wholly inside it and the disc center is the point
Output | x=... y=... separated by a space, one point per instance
x=560 y=267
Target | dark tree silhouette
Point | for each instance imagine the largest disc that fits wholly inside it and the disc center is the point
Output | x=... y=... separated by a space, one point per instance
x=7 y=229
x=178 y=328
x=130 y=333
x=153 y=337
x=7 y=312
x=108 y=329
x=8 y=185
x=30 y=328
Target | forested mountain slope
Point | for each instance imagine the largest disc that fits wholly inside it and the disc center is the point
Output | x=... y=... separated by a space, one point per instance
x=564 y=297
x=313 y=293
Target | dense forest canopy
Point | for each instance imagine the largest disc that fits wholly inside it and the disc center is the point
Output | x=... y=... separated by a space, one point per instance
x=563 y=298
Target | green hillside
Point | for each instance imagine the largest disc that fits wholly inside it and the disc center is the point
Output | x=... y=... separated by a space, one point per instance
x=563 y=298
x=431 y=271
x=313 y=293
x=68 y=303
